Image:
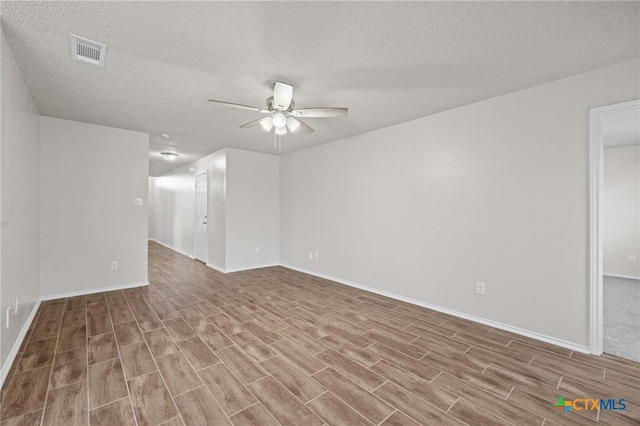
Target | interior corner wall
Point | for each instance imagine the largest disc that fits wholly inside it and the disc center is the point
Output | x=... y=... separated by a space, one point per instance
x=253 y=204
x=90 y=176
x=19 y=203
x=496 y=191
x=621 y=211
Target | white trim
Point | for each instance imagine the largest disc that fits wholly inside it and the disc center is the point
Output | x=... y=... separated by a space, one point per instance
x=490 y=323
x=249 y=268
x=184 y=253
x=16 y=346
x=93 y=290
x=216 y=267
x=628 y=277
x=596 y=169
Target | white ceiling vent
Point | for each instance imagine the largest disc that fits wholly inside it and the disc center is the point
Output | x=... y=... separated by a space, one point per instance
x=88 y=51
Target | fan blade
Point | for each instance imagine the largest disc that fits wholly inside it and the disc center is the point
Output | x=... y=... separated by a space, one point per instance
x=304 y=128
x=320 y=112
x=282 y=95
x=256 y=122
x=247 y=107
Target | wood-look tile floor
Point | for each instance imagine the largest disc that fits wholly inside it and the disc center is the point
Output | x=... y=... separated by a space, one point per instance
x=275 y=346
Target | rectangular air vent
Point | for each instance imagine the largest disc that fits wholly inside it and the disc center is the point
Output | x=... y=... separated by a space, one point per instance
x=88 y=51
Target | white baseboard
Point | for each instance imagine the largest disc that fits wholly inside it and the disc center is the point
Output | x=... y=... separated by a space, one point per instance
x=490 y=323
x=628 y=277
x=184 y=253
x=16 y=346
x=93 y=290
x=249 y=268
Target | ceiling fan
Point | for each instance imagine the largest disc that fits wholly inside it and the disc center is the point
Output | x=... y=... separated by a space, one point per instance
x=282 y=118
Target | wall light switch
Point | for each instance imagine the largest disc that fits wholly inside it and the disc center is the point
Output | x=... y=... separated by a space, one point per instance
x=310 y=255
x=632 y=258
x=138 y=202
x=114 y=264
x=480 y=288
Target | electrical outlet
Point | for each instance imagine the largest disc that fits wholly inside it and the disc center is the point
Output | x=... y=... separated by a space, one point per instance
x=114 y=264
x=316 y=255
x=632 y=258
x=480 y=288
x=257 y=249
x=310 y=255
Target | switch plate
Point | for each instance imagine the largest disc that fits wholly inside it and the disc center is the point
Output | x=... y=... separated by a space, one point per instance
x=114 y=264
x=632 y=258
x=480 y=287
x=310 y=255
x=16 y=309
x=316 y=255
x=138 y=202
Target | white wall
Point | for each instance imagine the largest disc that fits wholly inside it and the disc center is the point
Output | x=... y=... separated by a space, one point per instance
x=621 y=210
x=243 y=209
x=253 y=205
x=89 y=178
x=495 y=191
x=19 y=217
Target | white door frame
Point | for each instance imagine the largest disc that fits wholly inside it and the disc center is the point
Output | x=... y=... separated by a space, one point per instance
x=596 y=252
x=195 y=218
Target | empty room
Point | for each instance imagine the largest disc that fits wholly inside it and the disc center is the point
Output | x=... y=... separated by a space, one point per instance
x=319 y=213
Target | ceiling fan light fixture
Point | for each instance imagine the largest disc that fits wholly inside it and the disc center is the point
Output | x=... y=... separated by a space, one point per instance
x=266 y=124
x=281 y=131
x=170 y=155
x=293 y=124
x=279 y=120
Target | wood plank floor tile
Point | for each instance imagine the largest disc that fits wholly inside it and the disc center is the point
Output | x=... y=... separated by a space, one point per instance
x=37 y=354
x=499 y=407
x=102 y=348
x=416 y=385
x=349 y=350
x=151 y=401
x=367 y=404
x=359 y=374
x=243 y=367
x=197 y=353
x=177 y=373
x=413 y=406
x=178 y=328
x=282 y=404
x=68 y=368
x=298 y=383
x=127 y=333
x=475 y=415
x=147 y=320
x=226 y=388
x=26 y=393
x=99 y=325
x=298 y=356
x=213 y=337
x=252 y=346
x=335 y=412
x=136 y=360
x=198 y=407
x=72 y=337
x=116 y=413
x=160 y=343
x=106 y=383
x=311 y=349
x=121 y=314
x=67 y=405
x=256 y=415
x=30 y=419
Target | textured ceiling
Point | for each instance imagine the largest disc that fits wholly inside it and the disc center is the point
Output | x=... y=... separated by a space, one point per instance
x=389 y=62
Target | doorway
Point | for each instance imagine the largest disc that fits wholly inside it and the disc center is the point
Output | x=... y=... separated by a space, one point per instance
x=615 y=229
x=201 y=243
